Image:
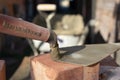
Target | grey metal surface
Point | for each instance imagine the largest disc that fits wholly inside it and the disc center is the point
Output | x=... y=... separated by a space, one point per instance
x=87 y=54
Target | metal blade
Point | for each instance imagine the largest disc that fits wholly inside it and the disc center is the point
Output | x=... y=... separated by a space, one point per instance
x=87 y=55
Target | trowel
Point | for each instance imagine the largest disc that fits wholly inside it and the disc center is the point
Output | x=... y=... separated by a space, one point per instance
x=84 y=55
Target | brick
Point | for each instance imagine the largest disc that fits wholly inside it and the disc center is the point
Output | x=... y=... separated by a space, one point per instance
x=91 y=72
x=44 y=68
x=2 y=70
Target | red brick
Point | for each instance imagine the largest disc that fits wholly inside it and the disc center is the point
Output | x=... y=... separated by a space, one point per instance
x=2 y=70
x=91 y=72
x=44 y=68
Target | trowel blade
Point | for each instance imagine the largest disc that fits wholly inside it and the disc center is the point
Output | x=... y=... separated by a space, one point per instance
x=88 y=54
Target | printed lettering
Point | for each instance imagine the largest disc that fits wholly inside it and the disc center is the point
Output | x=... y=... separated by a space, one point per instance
x=20 y=29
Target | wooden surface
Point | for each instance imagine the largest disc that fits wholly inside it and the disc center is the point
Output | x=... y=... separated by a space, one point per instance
x=44 y=68
x=2 y=70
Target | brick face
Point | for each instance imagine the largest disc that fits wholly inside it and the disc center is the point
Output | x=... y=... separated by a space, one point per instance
x=2 y=70
x=44 y=68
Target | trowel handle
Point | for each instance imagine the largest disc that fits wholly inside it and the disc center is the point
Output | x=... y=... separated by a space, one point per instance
x=17 y=27
x=20 y=28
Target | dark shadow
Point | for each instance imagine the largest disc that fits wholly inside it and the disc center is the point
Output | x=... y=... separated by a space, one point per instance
x=99 y=38
x=116 y=56
x=108 y=61
x=13 y=51
x=117 y=16
x=94 y=38
x=72 y=49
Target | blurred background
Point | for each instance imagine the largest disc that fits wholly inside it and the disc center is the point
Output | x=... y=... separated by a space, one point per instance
x=76 y=22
